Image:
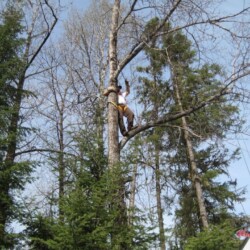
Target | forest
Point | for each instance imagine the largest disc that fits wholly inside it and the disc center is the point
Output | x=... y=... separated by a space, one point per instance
x=69 y=178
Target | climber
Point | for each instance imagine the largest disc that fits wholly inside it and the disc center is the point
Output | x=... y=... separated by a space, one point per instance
x=124 y=110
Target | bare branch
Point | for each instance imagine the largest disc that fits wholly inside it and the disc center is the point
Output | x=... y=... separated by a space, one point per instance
x=32 y=150
x=172 y=117
x=128 y=14
x=46 y=37
x=137 y=48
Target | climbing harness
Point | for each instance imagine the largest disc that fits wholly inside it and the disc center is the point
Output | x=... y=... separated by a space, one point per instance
x=121 y=107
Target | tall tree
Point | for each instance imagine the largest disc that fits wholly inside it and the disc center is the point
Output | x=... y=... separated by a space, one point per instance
x=155 y=98
x=14 y=173
x=188 y=83
x=12 y=177
x=177 y=48
x=88 y=62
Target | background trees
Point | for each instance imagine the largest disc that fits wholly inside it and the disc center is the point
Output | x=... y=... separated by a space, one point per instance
x=103 y=191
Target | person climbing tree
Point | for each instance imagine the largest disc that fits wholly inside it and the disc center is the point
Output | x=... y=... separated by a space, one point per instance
x=124 y=110
x=122 y=107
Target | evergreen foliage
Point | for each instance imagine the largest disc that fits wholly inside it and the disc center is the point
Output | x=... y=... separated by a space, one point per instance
x=88 y=208
x=13 y=175
x=172 y=56
x=218 y=237
x=90 y=214
x=40 y=230
x=10 y=65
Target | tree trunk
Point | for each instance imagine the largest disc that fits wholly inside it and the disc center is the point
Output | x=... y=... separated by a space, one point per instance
x=10 y=160
x=191 y=158
x=158 y=199
x=157 y=151
x=61 y=165
x=113 y=141
x=194 y=176
x=100 y=132
x=132 y=197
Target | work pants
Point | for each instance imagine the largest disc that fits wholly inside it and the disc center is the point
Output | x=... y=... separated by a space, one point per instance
x=124 y=110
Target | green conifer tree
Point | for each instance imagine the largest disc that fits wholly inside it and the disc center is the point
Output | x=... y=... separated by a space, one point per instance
x=13 y=176
x=172 y=58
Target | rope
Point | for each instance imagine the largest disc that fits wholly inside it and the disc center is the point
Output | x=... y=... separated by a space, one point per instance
x=113 y=104
x=120 y=107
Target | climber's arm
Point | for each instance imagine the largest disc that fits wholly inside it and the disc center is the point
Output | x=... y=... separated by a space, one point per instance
x=127 y=87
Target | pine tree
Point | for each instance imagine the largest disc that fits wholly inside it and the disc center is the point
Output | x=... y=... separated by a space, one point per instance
x=218 y=237
x=89 y=221
x=187 y=86
x=21 y=50
x=13 y=175
x=204 y=159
